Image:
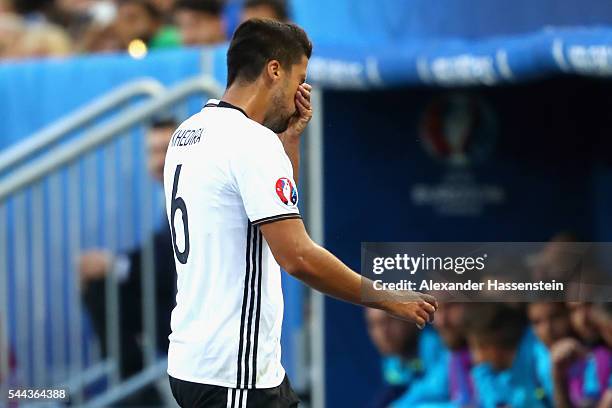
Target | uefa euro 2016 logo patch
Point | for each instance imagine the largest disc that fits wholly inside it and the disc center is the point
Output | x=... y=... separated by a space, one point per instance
x=286 y=191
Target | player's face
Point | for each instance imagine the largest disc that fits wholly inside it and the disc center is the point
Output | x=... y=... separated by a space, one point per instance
x=198 y=28
x=581 y=322
x=603 y=321
x=550 y=321
x=388 y=334
x=133 y=21
x=282 y=107
x=449 y=323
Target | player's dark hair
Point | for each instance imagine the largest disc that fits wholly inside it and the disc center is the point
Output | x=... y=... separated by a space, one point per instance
x=279 y=7
x=257 y=41
x=214 y=7
x=497 y=324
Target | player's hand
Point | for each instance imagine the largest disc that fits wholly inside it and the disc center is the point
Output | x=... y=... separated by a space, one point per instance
x=420 y=311
x=94 y=265
x=565 y=351
x=302 y=116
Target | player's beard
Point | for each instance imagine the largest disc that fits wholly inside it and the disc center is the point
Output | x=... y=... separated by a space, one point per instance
x=277 y=119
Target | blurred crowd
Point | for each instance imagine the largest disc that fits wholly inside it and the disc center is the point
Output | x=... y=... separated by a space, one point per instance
x=57 y=28
x=540 y=354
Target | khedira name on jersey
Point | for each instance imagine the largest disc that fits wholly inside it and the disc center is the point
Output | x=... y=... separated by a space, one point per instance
x=186 y=137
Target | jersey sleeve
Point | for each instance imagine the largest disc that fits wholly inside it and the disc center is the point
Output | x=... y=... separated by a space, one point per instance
x=264 y=178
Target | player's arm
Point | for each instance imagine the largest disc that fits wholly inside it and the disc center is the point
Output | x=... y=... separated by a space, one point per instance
x=297 y=254
x=292 y=136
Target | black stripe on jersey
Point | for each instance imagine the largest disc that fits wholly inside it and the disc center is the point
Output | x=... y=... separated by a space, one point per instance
x=259 y=276
x=244 y=304
x=251 y=307
x=251 y=310
x=233 y=401
x=267 y=220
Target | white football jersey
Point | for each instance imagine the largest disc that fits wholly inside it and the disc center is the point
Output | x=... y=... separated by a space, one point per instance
x=224 y=176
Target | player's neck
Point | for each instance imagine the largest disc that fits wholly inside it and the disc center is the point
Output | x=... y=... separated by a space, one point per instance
x=248 y=98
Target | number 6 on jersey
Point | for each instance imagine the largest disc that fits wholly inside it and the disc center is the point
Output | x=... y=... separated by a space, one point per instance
x=179 y=204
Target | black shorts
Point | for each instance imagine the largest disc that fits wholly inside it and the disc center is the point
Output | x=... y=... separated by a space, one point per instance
x=194 y=395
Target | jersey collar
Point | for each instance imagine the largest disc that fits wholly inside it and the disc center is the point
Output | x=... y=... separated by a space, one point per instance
x=222 y=104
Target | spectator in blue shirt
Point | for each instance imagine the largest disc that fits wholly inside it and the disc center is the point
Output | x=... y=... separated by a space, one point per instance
x=501 y=346
x=447 y=381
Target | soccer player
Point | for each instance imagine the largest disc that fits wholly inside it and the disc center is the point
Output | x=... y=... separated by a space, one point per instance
x=231 y=200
